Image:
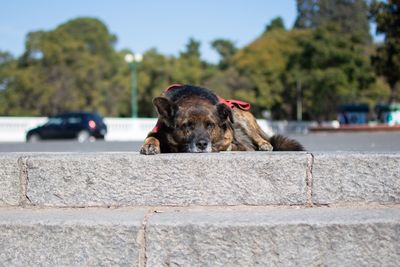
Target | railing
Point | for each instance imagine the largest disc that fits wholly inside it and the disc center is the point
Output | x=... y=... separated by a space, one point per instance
x=14 y=129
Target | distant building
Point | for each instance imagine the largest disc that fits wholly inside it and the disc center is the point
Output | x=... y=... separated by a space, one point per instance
x=388 y=114
x=353 y=114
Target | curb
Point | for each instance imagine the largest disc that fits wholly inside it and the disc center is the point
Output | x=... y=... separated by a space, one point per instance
x=215 y=179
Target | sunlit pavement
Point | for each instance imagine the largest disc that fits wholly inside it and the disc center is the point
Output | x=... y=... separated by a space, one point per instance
x=377 y=142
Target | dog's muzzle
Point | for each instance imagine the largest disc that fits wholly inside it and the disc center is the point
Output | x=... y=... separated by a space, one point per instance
x=200 y=146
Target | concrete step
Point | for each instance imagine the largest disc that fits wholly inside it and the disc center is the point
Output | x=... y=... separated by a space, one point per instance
x=215 y=179
x=75 y=237
x=201 y=236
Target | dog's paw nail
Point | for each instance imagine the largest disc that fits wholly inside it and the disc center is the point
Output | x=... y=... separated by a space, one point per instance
x=266 y=147
x=150 y=150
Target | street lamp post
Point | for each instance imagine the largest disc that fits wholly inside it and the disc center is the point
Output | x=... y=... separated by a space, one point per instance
x=133 y=61
x=299 y=102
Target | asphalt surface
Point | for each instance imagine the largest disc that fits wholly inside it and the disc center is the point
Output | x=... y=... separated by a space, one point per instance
x=374 y=142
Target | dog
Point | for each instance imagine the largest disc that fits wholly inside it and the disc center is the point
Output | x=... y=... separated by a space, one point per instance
x=194 y=119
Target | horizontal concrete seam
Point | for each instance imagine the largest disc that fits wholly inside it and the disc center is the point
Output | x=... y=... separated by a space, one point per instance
x=40 y=206
x=162 y=209
x=309 y=179
x=156 y=207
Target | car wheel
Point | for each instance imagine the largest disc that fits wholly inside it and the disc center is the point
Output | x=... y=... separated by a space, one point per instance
x=83 y=136
x=33 y=138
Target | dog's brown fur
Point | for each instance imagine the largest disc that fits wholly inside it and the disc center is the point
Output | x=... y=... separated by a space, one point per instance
x=191 y=119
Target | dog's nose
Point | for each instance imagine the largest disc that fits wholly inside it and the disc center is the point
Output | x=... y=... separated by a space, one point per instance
x=202 y=144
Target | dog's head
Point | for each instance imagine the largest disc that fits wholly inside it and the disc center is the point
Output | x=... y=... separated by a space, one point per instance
x=195 y=125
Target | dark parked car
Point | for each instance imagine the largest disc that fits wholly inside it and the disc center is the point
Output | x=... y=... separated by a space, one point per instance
x=82 y=126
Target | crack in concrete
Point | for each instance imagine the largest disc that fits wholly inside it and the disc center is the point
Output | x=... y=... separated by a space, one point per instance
x=309 y=179
x=141 y=238
x=23 y=181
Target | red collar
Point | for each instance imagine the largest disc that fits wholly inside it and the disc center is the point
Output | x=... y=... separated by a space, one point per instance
x=230 y=103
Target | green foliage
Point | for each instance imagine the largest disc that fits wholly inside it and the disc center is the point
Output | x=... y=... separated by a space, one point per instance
x=76 y=66
x=70 y=68
x=188 y=68
x=387 y=57
x=349 y=15
x=330 y=67
x=7 y=67
x=158 y=71
x=155 y=73
x=226 y=50
x=264 y=61
x=332 y=70
x=275 y=24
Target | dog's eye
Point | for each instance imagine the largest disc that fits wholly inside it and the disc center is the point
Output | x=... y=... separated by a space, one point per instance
x=188 y=126
x=210 y=125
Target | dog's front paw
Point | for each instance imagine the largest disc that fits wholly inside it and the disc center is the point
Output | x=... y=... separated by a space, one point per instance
x=266 y=147
x=150 y=149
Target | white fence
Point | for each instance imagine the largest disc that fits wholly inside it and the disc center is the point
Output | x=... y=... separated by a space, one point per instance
x=127 y=129
x=14 y=129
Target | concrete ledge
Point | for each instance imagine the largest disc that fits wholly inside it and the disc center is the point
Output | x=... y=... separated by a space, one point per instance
x=202 y=236
x=215 y=179
x=77 y=237
x=356 y=178
x=232 y=209
x=121 y=179
x=9 y=180
x=294 y=237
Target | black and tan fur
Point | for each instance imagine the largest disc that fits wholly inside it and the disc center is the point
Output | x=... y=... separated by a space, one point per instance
x=191 y=119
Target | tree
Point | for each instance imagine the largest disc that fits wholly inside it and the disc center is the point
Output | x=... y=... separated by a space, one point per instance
x=188 y=67
x=7 y=64
x=306 y=12
x=157 y=71
x=263 y=62
x=350 y=15
x=71 y=67
x=330 y=67
x=226 y=50
x=154 y=75
x=387 y=57
x=332 y=70
x=276 y=23
x=192 y=49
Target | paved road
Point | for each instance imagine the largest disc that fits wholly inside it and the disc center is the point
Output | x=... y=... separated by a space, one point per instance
x=378 y=142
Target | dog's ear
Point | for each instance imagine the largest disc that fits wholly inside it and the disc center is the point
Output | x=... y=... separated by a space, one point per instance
x=165 y=108
x=224 y=113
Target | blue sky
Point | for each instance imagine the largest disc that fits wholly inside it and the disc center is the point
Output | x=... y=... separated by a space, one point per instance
x=140 y=25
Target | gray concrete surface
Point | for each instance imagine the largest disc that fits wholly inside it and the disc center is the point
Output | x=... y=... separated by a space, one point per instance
x=352 y=178
x=378 y=141
x=71 y=146
x=302 y=237
x=70 y=237
x=122 y=179
x=229 y=178
x=9 y=180
x=217 y=209
x=285 y=237
x=203 y=236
